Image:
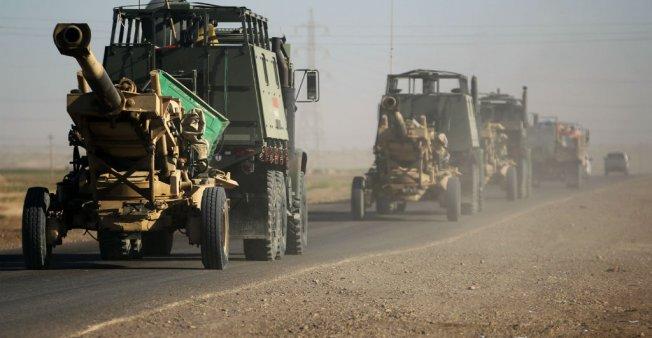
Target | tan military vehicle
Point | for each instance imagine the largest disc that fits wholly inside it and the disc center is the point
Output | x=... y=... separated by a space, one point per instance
x=143 y=171
x=503 y=133
x=559 y=151
x=427 y=144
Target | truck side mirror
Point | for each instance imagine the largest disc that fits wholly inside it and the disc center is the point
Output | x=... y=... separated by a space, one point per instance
x=311 y=79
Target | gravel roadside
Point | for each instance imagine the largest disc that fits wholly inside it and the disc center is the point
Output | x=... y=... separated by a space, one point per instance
x=578 y=266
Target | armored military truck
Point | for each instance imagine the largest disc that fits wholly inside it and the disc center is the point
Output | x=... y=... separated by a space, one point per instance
x=225 y=55
x=503 y=124
x=559 y=151
x=444 y=101
x=411 y=164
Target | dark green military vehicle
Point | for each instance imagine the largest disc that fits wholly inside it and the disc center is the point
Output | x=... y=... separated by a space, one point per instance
x=226 y=56
x=446 y=103
x=507 y=154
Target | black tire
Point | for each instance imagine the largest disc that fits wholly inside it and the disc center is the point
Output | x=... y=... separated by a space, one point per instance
x=574 y=175
x=511 y=184
x=214 y=229
x=157 y=243
x=529 y=179
x=401 y=206
x=472 y=189
x=267 y=249
x=119 y=246
x=522 y=178
x=383 y=205
x=453 y=199
x=297 y=235
x=357 y=198
x=282 y=212
x=36 y=251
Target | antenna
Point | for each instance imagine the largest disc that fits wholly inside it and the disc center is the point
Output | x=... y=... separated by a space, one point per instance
x=391 y=36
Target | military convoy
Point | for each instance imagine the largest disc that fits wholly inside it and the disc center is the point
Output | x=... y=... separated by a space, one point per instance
x=188 y=125
x=157 y=155
x=427 y=146
x=559 y=151
x=503 y=133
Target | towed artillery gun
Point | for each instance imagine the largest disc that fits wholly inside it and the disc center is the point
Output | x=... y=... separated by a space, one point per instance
x=503 y=131
x=443 y=100
x=145 y=172
x=411 y=162
x=226 y=56
x=559 y=151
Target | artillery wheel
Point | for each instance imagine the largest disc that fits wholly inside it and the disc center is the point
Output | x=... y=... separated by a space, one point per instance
x=357 y=198
x=511 y=184
x=297 y=235
x=473 y=190
x=214 y=228
x=36 y=250
x=453 y=199
x=268 y=249
x=157 y=243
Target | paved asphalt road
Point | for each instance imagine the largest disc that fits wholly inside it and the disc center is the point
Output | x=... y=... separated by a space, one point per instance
x=81 y=290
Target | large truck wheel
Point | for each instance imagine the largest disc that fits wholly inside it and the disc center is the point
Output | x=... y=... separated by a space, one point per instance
x=472 y=189
x=157 y=243
x=574 y=175
x=36 y=250
x=357 y=198
x=214 y=228
x=511 y=184
x=453 y=199
x=281 y=216
x=528 y=187
x=297 y=236
x=275 y=219
x=522 y=178
x=116 y=245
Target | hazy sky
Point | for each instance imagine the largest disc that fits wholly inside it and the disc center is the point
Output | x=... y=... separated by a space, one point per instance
x=585 y=61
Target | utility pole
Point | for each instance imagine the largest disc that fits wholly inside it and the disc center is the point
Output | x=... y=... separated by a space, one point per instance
x=51 y=153
x=391 y=36
x=311 y=122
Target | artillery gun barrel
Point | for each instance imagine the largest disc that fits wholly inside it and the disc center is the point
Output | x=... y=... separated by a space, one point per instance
x=73 y=39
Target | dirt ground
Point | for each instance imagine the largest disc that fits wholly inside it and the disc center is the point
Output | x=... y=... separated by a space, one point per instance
x=577 y=266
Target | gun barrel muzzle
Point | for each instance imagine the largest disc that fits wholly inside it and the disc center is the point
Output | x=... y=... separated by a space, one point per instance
x=389 y=103
x=73 y=39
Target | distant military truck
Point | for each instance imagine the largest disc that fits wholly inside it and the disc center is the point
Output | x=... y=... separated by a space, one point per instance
x=559 y=151
x=411 y=164
x=226 y=55
x=442 y=100
x=503 y=129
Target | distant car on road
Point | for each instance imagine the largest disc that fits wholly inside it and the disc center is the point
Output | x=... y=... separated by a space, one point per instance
x=616 y=161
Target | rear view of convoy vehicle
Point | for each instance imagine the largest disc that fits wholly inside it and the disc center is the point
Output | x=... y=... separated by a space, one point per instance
x=426 y=147
x=559 y=151
x=159 y=156
x=503 y=132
